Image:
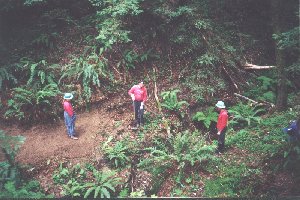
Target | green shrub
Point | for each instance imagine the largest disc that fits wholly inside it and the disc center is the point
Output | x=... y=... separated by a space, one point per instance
x=178 y=152
x=111 y=27
x=201 y=84
x=206 y=59
x=267 y=138
x=206 y=117
x=30 y=104
x=83 y=182
x=10 y=144
x=46 y=40
x=232 y=181
x=129 y=59
x=170 y=100
x=264 y=90
x=9 y=171
x=71 y=180
x=103 y=185
x=257 y=142
x=245 y=113
x=117 y=153
x=37 y=74
x=87 y=71
x=27 y=190
x=138 y=194
x=35 y=100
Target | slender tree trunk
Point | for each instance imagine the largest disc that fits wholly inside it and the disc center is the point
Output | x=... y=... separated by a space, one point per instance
x=282 y=93
x=2 y=42
x=278 y=23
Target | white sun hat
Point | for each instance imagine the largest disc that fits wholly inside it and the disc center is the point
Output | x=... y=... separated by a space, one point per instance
x=220 y=104
x=68 y=96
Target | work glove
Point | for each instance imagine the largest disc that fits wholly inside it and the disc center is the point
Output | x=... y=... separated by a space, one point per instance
x=132 y=97
x=142 y=106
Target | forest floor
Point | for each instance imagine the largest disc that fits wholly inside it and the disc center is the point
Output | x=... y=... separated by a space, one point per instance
x=46 y=146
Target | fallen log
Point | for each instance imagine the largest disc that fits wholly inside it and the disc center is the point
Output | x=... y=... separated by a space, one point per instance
x=252 y=66
x=253 y=101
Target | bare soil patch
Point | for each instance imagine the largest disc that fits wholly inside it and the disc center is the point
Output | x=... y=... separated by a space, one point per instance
x=50 y=142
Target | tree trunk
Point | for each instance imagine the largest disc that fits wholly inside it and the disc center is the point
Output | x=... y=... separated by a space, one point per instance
x=282 y=93
x=2 y=41
x=280 y=17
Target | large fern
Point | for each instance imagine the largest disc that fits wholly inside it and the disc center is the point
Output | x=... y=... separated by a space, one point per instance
x=31 y=104
x=103 y=185
x=181 y=151
x=87 y=71
x=206 y=117
x=86 y=182
x=245 y=113
x=170 y=100
x=117 y=153
x=41 y=73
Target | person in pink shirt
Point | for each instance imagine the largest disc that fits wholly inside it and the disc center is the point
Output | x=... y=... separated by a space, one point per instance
x=69 y=115
x=138 y=94
x=221 y=125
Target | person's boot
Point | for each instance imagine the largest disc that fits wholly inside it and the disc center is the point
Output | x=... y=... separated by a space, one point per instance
x=74 y=138
x=135 y=127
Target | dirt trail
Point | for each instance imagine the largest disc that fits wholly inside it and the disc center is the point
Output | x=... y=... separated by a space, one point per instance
x=45 y=143
x=46 y=146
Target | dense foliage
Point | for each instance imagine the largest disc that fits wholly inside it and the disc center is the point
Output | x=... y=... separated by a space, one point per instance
x=195 y=52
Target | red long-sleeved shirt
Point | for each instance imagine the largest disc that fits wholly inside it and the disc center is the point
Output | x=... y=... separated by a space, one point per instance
x=68 y=108
x=222 y=120
x=140 y=94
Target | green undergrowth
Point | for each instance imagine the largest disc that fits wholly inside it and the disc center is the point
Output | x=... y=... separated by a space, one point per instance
x=184 y=160
x=250 y=150
x=87 y=181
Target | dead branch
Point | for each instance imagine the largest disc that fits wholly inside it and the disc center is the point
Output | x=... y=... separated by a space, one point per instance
x=233 y=82
x=253 y=101
x=244 y=97
x=252 y=66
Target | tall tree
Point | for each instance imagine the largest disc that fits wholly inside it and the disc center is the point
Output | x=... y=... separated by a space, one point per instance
x=282 y=20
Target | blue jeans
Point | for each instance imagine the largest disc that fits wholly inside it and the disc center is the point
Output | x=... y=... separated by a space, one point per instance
x=70 y=123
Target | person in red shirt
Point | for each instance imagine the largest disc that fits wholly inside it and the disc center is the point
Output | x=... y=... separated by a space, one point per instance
x=138 y=94
x=69 y=115
x=221 y=125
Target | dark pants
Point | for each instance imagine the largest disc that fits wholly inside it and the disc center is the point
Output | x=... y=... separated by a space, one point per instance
x=138 y=113
x=221 y=140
